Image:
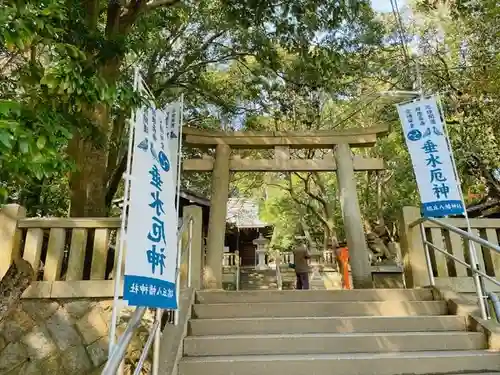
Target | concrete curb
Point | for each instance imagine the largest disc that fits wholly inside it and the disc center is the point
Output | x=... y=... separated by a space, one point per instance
x=459 y=305
x=171 y=348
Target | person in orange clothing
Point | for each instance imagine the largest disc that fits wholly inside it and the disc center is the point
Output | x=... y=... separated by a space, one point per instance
x=342 y=253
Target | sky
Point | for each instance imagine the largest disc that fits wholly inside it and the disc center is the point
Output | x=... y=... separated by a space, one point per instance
x=385 y=5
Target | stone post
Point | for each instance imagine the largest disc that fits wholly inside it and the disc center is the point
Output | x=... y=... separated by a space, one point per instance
x=196 y=213
x=10 y=236
x=217 y=219
x=353 y=223
x=412 y=249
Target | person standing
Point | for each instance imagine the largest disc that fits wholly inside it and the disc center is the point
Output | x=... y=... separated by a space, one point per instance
x=301 y=256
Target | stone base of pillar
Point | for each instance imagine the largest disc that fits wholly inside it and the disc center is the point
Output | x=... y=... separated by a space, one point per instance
x=209 y=280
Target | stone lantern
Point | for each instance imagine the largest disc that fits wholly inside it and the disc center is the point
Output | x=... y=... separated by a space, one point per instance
x=261 y=244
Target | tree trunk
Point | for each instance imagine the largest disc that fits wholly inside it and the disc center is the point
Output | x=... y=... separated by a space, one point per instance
x=88 y=182
x=78 y=195
x=18 y=277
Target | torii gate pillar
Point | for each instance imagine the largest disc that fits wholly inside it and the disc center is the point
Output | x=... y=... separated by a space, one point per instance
x=217 y=219
x=353 y=223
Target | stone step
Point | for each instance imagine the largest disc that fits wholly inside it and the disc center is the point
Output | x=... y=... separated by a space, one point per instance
x=332 y=343
x=264 y=286
x=319 y=309
x=242 y=326
x=415 y=363
x=314 y=295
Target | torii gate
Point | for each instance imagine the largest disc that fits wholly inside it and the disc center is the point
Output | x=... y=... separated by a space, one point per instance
x=340 y=160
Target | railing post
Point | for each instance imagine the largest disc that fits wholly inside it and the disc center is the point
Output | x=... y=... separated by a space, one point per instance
x=428 y=262
x=196 y=261
x=10 y=236
x=190 y=253
x=412 y=249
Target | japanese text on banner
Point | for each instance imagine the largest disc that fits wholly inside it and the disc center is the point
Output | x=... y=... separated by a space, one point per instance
x=172 y=133
x=150 y=265
x=431 y=158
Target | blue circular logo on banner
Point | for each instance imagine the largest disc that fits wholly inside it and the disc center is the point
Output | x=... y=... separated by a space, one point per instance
x=164 y=163
x=414 y=135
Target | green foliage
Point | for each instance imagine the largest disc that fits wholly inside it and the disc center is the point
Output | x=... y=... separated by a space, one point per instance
x=66 y=72
x=33 y=128
x=458 y=48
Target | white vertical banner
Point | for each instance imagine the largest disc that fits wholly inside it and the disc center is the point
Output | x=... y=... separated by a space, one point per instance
x=431 y=158
x=150 y=266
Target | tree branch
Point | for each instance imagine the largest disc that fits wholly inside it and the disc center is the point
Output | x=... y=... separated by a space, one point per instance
x=131 y=13
x=190 y=59
x=92 y=16
x=113 y=17
x=160 y=3
x=308 y=205
x=307 y=189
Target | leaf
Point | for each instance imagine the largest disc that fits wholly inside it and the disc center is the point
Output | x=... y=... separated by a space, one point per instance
x=24 y=147
x=3 y=194
x=9 y=41
x=20 y=44
x=38 y=172
x=8 y=124
x=40 y=143
x=7 y=106
x=5 y=139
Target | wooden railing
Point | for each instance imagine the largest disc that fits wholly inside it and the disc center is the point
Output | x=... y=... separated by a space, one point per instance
x=329 y=258
x=230 y=260
x=287 y=257
x=447 y=272
x=71 y=257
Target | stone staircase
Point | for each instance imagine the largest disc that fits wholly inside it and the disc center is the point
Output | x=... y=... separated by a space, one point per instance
x=251 y=279
x=354 y=332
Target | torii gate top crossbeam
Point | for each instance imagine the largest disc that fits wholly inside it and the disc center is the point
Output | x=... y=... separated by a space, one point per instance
x=358 y=137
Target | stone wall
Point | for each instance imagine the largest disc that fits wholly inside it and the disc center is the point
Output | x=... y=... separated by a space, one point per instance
x=64 y=337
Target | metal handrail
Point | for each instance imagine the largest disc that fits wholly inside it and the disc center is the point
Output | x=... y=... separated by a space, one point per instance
x=147 y=345
x=467 y=265
x=458 y=231
x=118 y=354
x=477 y=273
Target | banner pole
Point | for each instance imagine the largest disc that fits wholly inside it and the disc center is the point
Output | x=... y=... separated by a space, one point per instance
x=159 y=312
x=121 y=245
x=471 y=246
x=179 y=157
x=179 y=240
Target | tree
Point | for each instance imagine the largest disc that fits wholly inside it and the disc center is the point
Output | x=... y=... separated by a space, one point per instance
x=12 y=285
x=460 y=42
x=34 y=128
